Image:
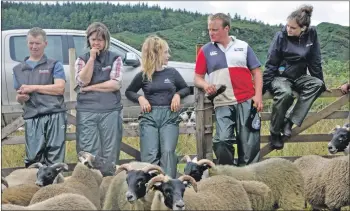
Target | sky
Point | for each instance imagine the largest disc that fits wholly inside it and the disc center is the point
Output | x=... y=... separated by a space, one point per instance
x=271 y=12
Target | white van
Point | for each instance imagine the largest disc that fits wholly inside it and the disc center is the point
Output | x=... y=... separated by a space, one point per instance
x=14 y=49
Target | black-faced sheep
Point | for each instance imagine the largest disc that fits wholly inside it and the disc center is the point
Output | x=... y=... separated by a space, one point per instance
x=65 y=201
x=127 y=189
x=214 y=193
x=84 y=181
x=280 y=175
x=326 y=181
x=341 y=140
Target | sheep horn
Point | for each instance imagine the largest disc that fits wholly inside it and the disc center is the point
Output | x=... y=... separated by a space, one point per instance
x=147 y=169
x=189 y=179
x=186 y=158
x=206 y=161
x=3 y=181
x=63 y=166
x=158 y=178
x=35 y=165
x=125 y=166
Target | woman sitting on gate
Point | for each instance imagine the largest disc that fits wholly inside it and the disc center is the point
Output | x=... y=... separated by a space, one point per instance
x=162 y=87
x=294 y=50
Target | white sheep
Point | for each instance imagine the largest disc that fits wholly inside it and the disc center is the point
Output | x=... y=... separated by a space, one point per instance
x=280 y=175
x=84 y=181
x=214 y=193
x=120 y=196
x=65 y=201
x=19 y=194
x=326 y=181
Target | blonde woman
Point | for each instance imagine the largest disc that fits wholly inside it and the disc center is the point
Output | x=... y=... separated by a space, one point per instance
x=162 y=87
x=99 y=76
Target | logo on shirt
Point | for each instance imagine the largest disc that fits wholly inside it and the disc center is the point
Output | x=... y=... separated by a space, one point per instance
x=44 y=71
x=238 y=49
x=309 y=44
x=107 y=68
x=213 y=53
x=167 y=81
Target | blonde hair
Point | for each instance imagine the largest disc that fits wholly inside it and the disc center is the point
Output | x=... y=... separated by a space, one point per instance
x=152 y=55
x=36 y=31
x=101 y=31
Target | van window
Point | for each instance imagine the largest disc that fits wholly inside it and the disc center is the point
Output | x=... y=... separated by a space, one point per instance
x=19 y=49
x=80 y=47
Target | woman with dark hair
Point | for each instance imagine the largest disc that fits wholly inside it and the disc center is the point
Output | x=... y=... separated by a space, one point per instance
x=294 y=51
x=99 y=77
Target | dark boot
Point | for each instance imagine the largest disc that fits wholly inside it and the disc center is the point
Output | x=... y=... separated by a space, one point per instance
x=287 y=130
x=224 y=153
x=276 y=141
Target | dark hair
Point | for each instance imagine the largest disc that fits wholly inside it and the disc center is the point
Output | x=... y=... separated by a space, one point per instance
x=101 y=30
x=226 y=20
x=302 y=15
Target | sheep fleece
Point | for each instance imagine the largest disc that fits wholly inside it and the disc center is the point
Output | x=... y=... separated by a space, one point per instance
x=65 y=201
x=19 y=194
x=326 y=180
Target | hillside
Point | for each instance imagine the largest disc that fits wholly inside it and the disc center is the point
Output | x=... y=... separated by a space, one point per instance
x=182 y=29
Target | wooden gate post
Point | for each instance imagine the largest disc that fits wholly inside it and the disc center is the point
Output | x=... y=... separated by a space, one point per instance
x=204 y=122
x=72 y=83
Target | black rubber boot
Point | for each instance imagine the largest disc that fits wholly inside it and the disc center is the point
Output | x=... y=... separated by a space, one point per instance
x=287 y=130
x=276 y=142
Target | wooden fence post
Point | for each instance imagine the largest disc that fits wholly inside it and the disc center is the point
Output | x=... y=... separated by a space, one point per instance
x=72 y=84
x=204 y=122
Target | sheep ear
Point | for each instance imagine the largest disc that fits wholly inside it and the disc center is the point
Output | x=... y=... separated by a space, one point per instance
x=195 y=160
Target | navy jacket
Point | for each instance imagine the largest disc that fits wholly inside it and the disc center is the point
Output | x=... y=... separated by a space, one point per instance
x=295 y=55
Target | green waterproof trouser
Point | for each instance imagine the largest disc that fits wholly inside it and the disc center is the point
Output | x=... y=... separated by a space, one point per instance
x=45 y=138
x=231 y=119
x=308 y=88
x=159 y=132
x=100 y=134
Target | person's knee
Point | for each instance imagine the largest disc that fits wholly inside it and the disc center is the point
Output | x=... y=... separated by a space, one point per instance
x=316 y=83
x=285 y=95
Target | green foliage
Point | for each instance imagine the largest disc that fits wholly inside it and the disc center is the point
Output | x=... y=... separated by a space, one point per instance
x=182 y=29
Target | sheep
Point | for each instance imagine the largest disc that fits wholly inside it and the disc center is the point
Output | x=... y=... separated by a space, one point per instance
x=280 y=175
x=65 y=201
x=214 y=193
x=326 y=181
x=84 y=181
x=36 y=173
x=127 y=188
x=19 y=194
x=341 y=140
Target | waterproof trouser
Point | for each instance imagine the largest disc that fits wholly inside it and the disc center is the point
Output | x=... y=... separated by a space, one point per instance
x=230 y=120
x=100 y=134
x=308 y=88
x=159 y=132
x=45 y=138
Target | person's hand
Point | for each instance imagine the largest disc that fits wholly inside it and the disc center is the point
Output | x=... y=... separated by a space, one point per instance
x=85 y=89
x=94 y=52
x=144 y=104
x=175 y=103
x=210 y=89
x=345 y=88
x=22 y=98
x=26 y=89
x=257 y=99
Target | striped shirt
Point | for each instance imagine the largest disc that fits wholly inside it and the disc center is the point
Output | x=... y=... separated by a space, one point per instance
x=230 y=66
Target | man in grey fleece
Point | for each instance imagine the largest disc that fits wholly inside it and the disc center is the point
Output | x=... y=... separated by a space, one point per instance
x=40 y=82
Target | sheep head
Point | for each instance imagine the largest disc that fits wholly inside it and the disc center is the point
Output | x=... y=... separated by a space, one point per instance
x=195 y=168
x=46 y=175
x=172 y=189
x=137 y=180
x=340 y=139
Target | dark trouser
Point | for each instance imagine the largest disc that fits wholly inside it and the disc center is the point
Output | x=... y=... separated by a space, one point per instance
x=308 y=87
x=45 y=139
x=100 y=134
x=159 y=132
x=231 y=119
